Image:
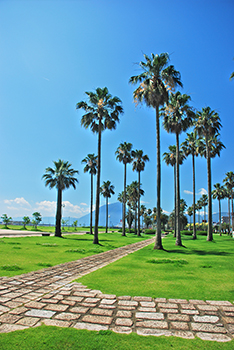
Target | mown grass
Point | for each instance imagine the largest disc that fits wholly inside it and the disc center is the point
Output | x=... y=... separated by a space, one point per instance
x=199 y=270
x=49 y=229
x=53 y=338
x=24 y=254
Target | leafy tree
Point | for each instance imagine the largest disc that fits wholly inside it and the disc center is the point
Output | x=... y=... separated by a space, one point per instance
x=75 y=224
x=37 y=218
x=64 y=223
x=229 y=183
x=91 y=167
x=190 y=213
x=123 y=154
x=26 y=221
x=170 y=159
x=190 y=147
x=178 y=117
x=207 y=126
x=142 y=212
x=62 y=176
x=219 y=193
x=107 y=189
x=102 y=112
x=139 y=165
x=6 y=220
x=129 y=217
x=147 y=220
x=155 y=82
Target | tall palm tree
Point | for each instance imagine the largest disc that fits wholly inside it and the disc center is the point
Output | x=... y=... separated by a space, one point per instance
x=123 y=154
x=62 y=176
x=139 y=165
x=219 y=193
x=91 y=167
x=190 y=213
x=156 y=80
x=107 y=189
x=102 y=112
x=142 y=212
x=207 y=126
x=229 y=183
x=199 y=207
x=170 y=159
x=178 y=117
x=132 y=196
x=204 y=203
x=190 y=146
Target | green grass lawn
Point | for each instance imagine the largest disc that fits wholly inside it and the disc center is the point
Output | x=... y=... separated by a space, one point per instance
x=200 y=270
x=50 y=229
x=53 y=338
x=24 y=254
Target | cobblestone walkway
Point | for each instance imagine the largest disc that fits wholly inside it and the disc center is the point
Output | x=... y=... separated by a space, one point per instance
x=49 y=297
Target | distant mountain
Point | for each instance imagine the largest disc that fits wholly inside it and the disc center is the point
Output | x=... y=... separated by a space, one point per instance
x=215 y=217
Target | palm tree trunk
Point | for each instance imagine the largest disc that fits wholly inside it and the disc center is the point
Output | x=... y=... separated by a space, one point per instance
x=175 y=199
x=194 y=198
x=135 y=219
x=158 y=238
x=219 y=217
x=210 y=224
x=232 y=212
x=124 y=200
x=178 y=236
x=138 y=217
x=58 y=214
x=91 y=207
x=95 y=238
x=229 y=217
x=106 y=214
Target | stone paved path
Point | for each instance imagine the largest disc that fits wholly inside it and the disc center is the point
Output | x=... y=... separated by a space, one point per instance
x=48 y=296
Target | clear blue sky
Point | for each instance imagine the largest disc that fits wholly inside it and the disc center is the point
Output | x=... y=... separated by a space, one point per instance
x=54 y=51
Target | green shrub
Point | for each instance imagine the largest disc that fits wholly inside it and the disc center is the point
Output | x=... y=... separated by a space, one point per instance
x=186 y=233
x=149 y=231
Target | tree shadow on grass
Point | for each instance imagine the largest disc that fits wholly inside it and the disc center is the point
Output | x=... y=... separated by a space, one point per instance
x=197 y=252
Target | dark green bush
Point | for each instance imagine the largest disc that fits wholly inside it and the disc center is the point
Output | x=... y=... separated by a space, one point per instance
x=186 y=233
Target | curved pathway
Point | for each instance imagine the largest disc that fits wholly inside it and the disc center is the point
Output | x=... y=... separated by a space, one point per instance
x=48 y=296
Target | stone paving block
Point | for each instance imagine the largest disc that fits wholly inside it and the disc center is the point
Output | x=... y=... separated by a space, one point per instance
x=167 y=305
x=152 y=324
x=108 y=301
x=230 y=314
x=227 y=308
x=106 y=296
x=13 y=304
x=188 y=306
x=18 y=310
x=150 y=315
x=160 y=300
x=196 y=301
x=129 y=308
x=90 y=326
x=146 y=299
x=4 y=299
x=178 y=301
x=35 y=305
x=125 y=297
x=180 y=326
x=207 y=327
x=13 y=295
x=147 y=304
x=50 y=301
x=178 y=317
x=9 y=318
x=184 y=334
x=88 y=305
x=213 y=337
x=22 y=300
x=75 y=298
x=97 y=319
x=67 y=316
x=190 y=312
x=4 y=308
x=32 y=295
x=57 y=323
x=229 y=320
x=127 y=303
x=205 y=319
x=56 y=307
x=207 y=308
x=85 y=294
x=68 y=302
x=40 y=313
x=146 y=309
x=27 y=321
x=6 y=328
x=122 y=329
x=124 y=313
x=79 y=310
x=101 y=312
x=155 y=332
x=125 y=322
x=171 y=311
x=230 y=328
x=219 y=302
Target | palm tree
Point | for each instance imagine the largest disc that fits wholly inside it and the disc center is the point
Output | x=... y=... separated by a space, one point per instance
x=207 y=126
x=190 y=213
x=178 y=117
x=156 y=80
x=229 y=183
x=102 y=112
x=170 y=159
x=132 y=197
x=219 y=193
x=62 y=176
x=123 y=154
x=199 y=207
x=142 y=212
x=107 y=189
x=190 y=146
x=139 y=165
x=91 y=167
x=204 y=203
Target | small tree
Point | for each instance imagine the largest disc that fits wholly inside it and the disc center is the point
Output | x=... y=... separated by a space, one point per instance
x=6 y=220
x=37 y=218
x=75 y=224
x=26 y=221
